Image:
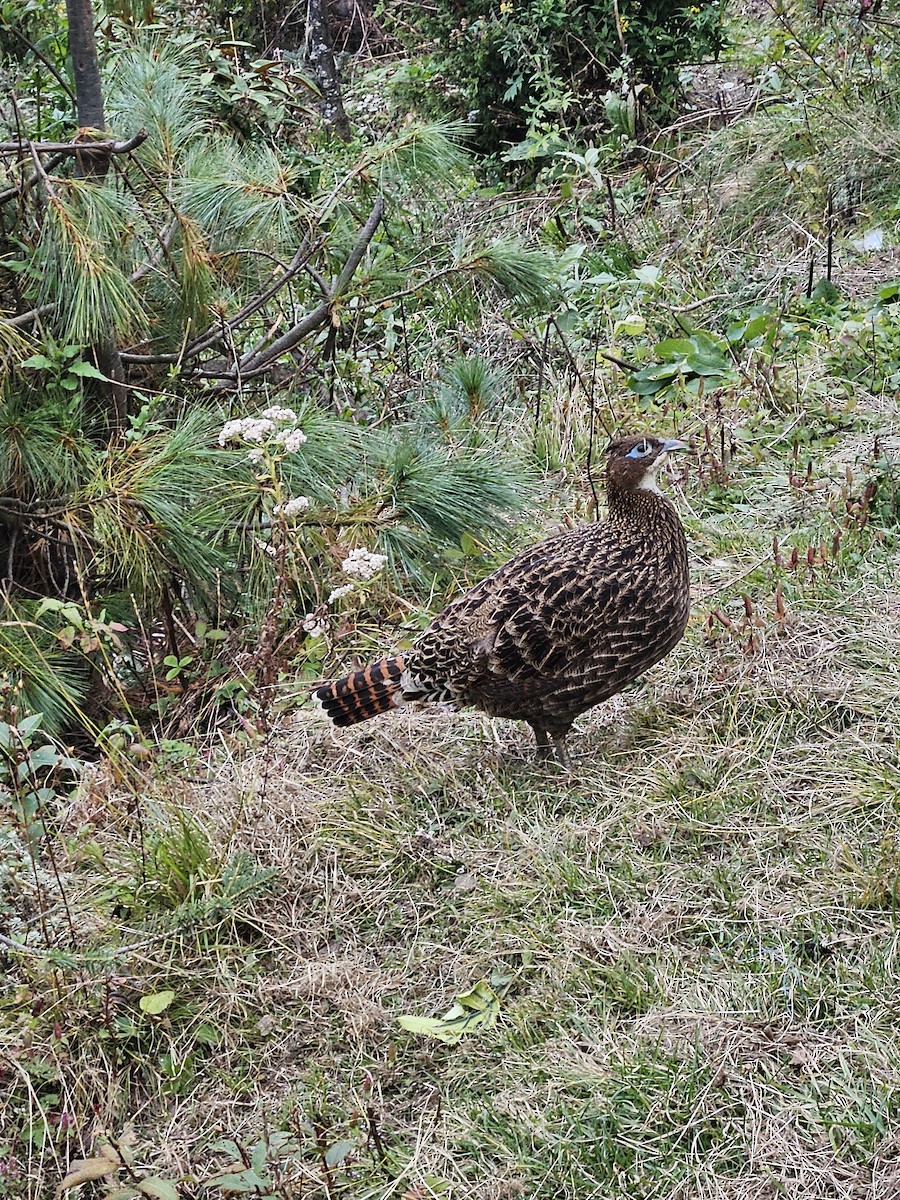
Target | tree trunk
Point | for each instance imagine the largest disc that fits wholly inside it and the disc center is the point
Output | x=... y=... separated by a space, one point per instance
x=88 y=87
x=85 y=65
x=321 y=55
x=90 y=115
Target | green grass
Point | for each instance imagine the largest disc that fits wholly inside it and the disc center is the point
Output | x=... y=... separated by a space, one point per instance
x=693 y=938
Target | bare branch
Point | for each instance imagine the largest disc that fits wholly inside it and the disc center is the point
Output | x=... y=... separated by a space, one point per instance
x=14 y=193
x=215 y=333
x=362 y=242
x=161 y=252
x=84 y=147
x=28 y=318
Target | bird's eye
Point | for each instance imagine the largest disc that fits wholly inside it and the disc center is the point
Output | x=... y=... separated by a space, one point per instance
x=641 y=450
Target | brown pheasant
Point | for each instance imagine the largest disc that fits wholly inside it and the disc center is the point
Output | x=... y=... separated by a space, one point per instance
x=559 y=628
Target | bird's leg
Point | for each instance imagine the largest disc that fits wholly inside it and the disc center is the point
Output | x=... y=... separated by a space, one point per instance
x=542 y=741
x=559 y=745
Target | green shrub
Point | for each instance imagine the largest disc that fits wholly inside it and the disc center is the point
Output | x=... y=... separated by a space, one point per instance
x=515 y=69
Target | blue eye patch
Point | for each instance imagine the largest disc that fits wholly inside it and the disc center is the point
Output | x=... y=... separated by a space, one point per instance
x=640 y=451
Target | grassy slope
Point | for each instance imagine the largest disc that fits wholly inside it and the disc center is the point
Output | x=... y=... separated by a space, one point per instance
x=693 y=935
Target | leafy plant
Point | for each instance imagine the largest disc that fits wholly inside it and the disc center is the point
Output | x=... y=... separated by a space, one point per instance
x=547 y=67
x=30 y=769
x=692 y=363
x=473 y=1012
x=116 y=1163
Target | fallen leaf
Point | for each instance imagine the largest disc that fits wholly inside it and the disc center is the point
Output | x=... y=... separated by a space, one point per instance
x=474 y=1010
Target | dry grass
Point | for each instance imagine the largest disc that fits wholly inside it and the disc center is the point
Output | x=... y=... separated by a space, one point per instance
x=692 y=934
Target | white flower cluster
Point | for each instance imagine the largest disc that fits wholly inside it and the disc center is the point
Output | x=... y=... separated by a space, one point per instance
x=246 y=429
x=260 y=429
x=291 y=439
x=314 y=626
x=291 y=508
x=280 y=416
x=363 y=564
x=340 y=592
x=371 y=102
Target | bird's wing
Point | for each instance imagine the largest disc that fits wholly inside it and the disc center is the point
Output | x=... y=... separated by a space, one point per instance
x=547 y=631
x=538 y=617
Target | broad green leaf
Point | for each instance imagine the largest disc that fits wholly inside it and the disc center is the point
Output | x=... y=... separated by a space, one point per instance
x=701 y=365
x=159 y=1189
x=245 y=1181
x=568 y=320
x=156 y=1002
x=339 y=1151
x=228 y=1146
x=48 y=605
x=472 y=1011
x=44 y=756
x=675 y=348
x=87 y=371
x=648 y=274
x=707 y=343
x=632 y=325
x=659 y=371
x=649 y=387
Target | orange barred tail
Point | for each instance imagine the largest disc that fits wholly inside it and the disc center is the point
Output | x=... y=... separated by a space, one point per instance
x=364 y=694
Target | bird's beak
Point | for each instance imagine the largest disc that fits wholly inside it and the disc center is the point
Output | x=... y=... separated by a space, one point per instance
x=674 y=444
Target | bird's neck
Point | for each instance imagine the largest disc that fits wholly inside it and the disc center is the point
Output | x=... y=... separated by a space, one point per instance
x=641 y=505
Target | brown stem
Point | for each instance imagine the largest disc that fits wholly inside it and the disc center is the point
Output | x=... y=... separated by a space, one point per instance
x=109 y=146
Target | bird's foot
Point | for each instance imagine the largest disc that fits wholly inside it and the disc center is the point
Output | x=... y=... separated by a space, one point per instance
x=562 y=754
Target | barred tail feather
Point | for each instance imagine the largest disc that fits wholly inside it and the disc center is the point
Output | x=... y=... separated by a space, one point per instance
x=364 y=694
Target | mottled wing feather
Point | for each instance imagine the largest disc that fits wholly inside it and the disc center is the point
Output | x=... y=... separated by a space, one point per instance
x=532 y=623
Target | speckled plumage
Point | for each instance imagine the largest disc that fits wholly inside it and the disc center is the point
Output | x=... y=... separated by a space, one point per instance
x=557 y=629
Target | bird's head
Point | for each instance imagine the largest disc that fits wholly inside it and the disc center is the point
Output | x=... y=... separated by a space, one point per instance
x=632 y=462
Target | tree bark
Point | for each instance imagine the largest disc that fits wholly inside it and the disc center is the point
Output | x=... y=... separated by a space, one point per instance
x=85 y=65
x=90 y=115
x=321 y=56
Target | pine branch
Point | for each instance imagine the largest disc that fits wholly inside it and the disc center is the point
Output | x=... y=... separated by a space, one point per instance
x=214 y=333
x=261 y=357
